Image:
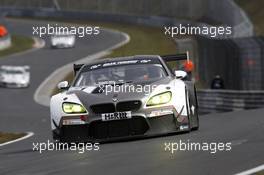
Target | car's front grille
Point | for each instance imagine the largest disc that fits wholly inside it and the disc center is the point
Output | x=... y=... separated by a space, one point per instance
x=118 y=128
x=103 y=108
x=128 y=106
x=119 y=107
x=74 y=133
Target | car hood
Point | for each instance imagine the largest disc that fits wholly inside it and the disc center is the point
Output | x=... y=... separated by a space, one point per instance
x=142 y=91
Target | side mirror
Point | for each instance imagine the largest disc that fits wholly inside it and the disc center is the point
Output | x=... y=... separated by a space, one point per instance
x=63 y=85
x=180 y=74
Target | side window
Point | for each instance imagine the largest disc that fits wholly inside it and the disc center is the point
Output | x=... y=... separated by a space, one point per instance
x=172 y=65
x=175 y=65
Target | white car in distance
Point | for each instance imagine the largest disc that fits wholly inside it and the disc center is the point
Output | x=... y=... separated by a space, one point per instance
x=14 y=76
x=64 y=40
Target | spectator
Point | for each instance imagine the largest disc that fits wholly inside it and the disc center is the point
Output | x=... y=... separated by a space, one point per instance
x=217 y=83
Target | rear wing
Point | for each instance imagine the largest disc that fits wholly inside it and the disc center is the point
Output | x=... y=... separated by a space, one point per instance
x=177 y=57
x=166 y=58
x=187 y=65
x=77 y=67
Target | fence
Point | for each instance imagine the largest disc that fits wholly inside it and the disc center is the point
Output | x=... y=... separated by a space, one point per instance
x=228 y=100
x=251 y=62
x=240 y=62
x=218 y=57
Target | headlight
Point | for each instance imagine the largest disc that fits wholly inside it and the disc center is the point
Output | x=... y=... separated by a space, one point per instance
x=159 y=99
x=72 y=108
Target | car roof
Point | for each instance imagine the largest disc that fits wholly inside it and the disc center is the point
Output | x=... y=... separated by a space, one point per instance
x=63 y=34
x=106 y=62
x=127 y=58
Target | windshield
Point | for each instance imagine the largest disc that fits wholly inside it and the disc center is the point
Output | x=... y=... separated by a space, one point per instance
x=121 y=74
x=62 y=36
x=11 y=71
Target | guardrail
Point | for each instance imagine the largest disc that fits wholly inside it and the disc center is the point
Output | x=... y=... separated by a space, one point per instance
x=5 y=42
x=228 y=100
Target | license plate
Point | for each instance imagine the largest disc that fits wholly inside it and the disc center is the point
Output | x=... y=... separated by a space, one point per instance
x=116 y=116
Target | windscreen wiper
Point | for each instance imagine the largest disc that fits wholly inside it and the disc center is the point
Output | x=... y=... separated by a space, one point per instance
x=116 y=83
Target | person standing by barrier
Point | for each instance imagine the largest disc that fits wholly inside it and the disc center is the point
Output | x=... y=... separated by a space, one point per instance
x=217 y=83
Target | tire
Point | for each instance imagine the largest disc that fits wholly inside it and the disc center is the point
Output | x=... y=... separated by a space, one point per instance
x=55 y=135
x=188 y=109
x=196 y=111
x=192 y=97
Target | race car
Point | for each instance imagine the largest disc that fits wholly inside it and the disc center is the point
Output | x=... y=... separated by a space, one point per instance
x=127 y=97
x=63 y=40
x=14 y=76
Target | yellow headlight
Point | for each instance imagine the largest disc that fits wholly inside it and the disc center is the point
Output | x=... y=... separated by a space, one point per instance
x=159 y=99
x=70 y=108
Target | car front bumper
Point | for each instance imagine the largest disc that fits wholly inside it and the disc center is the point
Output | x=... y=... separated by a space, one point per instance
x=144 y=123
x=13 y=85
x=61 y=46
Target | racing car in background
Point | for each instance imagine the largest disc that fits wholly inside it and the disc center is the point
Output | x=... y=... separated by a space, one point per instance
x=91 y=110
x=14 y=76
x=63 y=40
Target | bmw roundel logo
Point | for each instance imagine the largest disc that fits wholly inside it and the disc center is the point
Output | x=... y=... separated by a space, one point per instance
x=115 y=99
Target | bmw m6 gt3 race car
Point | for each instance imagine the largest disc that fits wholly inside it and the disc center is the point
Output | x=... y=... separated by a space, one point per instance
x=124 y=97
x=14 y=76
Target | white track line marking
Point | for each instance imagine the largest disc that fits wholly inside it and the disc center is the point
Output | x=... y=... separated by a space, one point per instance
x=238 y=142
x=29 y=134
x=251 y=171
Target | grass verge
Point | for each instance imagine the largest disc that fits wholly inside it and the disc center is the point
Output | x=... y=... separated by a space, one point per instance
x=260 y=173
x=6 y=137
x=19 y=44
x=143 y=40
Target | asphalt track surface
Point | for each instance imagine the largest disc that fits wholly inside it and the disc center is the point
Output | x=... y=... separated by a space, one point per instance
x=19 y=113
